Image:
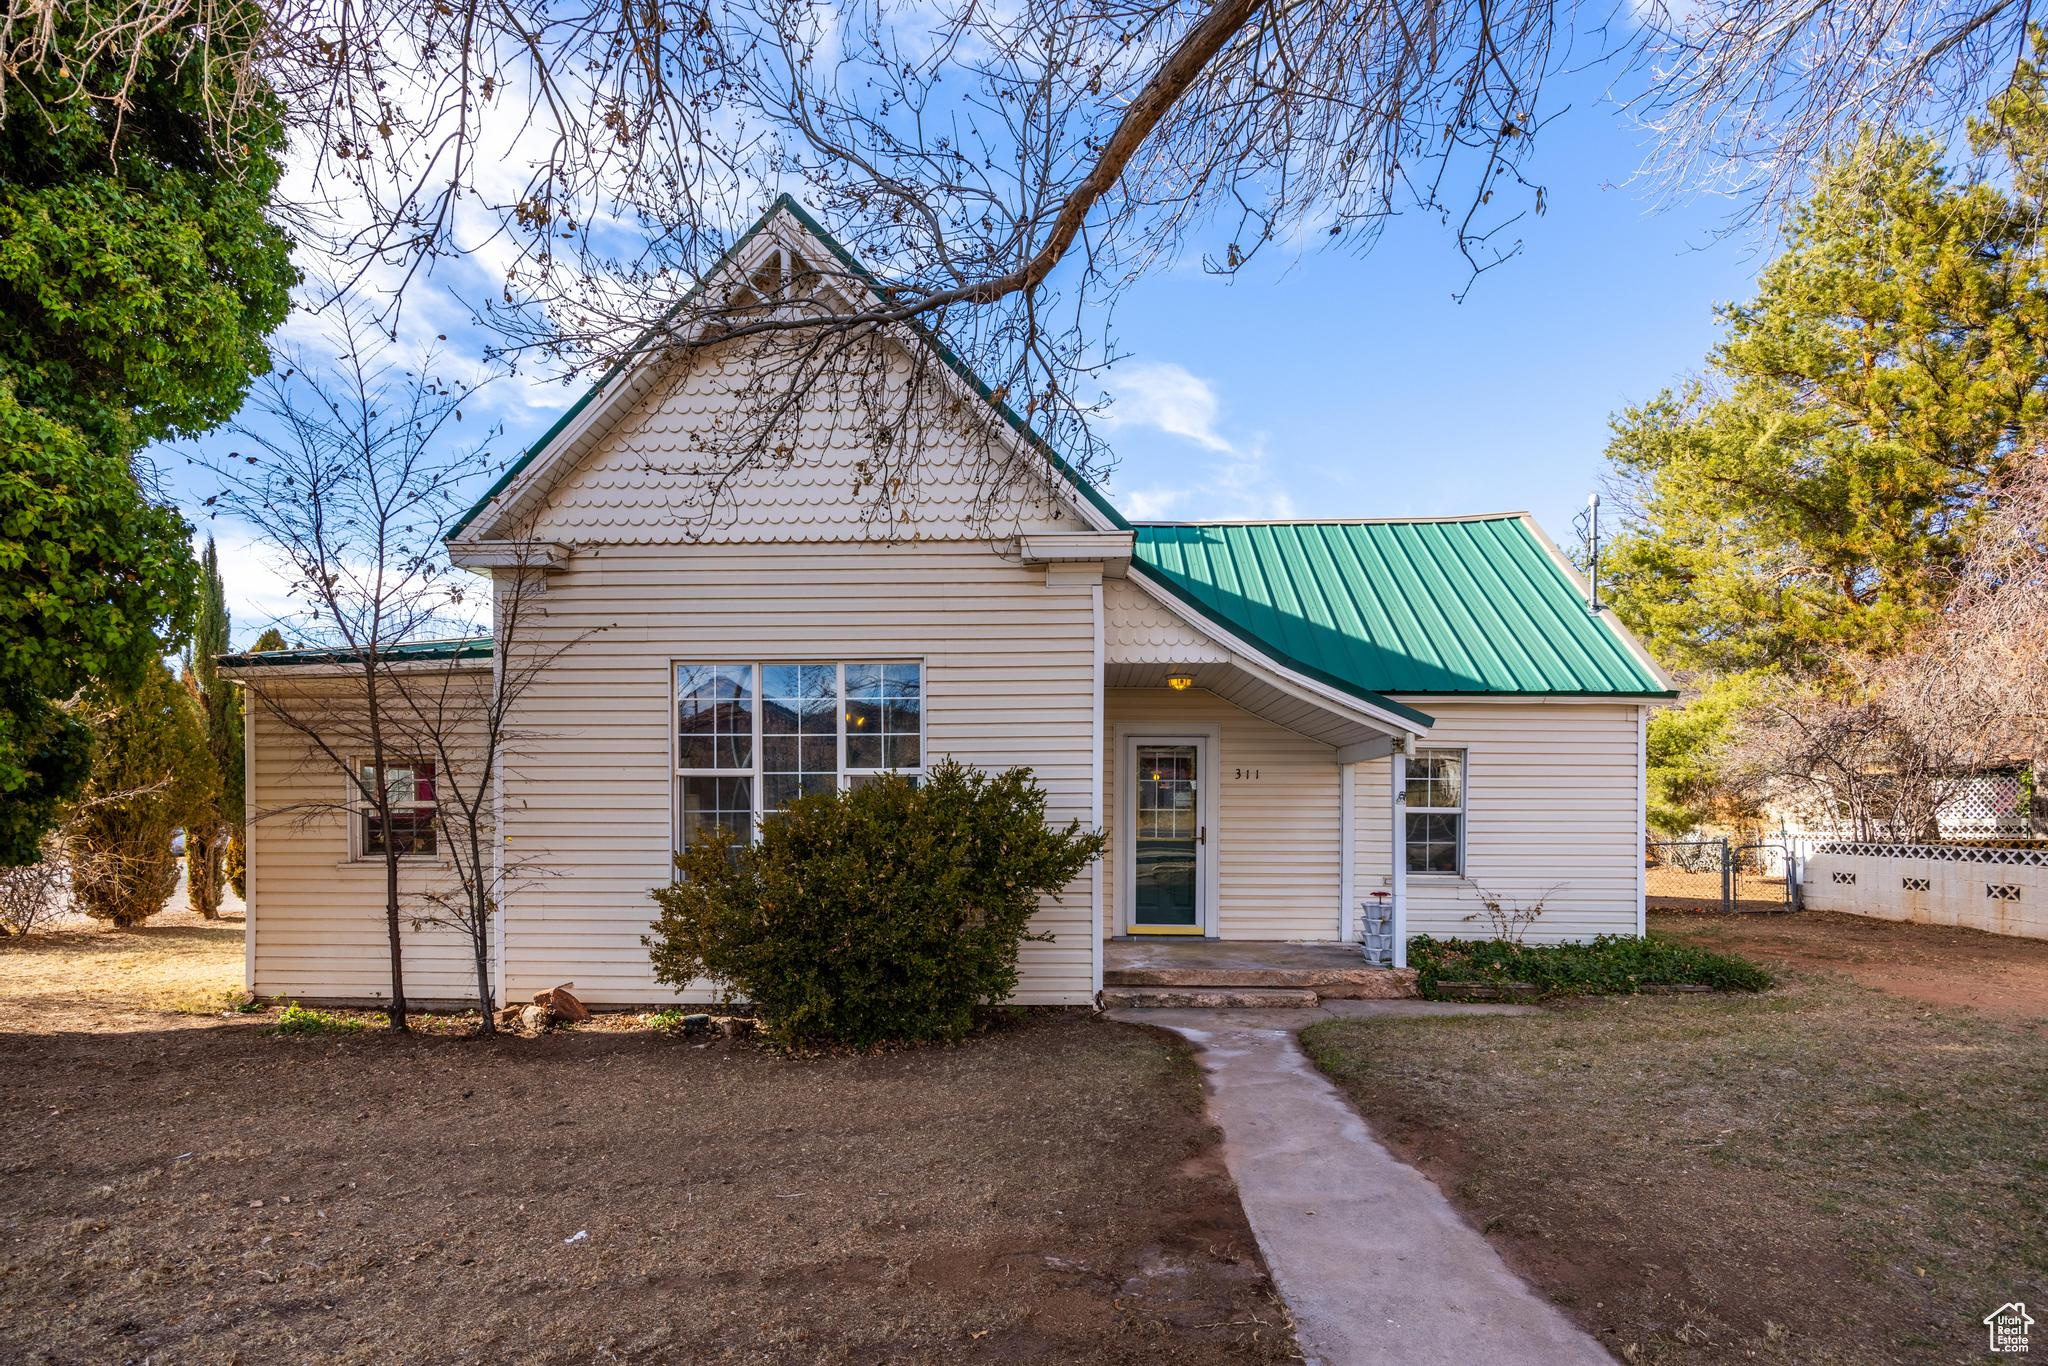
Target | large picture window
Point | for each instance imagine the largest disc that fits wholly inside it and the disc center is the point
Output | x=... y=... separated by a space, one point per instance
x=751 y=738
x=1436 y=811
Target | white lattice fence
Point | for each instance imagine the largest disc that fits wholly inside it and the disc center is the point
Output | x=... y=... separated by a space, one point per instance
x=1989 y=804
x=2003 y=891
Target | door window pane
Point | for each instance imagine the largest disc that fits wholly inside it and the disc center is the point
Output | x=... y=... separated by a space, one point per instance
x=1165 y=844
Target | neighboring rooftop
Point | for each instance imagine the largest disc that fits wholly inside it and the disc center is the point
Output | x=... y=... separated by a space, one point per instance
x=411 y=652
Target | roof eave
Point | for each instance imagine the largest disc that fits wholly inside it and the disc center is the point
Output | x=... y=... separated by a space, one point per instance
x=1233 y=637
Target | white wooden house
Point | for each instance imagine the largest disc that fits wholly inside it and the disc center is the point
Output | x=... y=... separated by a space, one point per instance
x=1274 y=720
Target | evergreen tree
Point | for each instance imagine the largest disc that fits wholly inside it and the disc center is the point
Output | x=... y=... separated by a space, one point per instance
x=150 y=771
x=139 y=278
x=1802 y=509
x=217 y=818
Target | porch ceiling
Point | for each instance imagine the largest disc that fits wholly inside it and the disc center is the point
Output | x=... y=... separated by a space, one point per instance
x=1357 y=736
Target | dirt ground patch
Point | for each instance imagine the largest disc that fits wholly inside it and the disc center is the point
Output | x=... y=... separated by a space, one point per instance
x=1824 y=1173
x=185 y=1188
x=1998 y=974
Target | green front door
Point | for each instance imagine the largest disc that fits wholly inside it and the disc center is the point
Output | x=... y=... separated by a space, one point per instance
x=1167 y=839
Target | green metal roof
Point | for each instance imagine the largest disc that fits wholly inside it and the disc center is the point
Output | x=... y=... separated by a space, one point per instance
x=1423 y=607
x=411 y=652
x=1471 y=605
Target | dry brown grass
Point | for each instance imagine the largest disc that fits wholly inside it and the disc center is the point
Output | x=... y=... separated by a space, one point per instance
x=192 y=1188
x=95 y=977
x=1821 y=1174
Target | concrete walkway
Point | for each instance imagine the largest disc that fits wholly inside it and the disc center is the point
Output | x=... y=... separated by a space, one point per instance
x=1373 y=1262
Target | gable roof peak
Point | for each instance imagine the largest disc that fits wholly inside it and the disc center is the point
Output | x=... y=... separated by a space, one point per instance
x=613 y=391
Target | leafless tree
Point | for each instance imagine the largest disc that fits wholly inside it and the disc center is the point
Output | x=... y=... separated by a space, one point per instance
x=353 y=476
x=1882 y=756
x=468 y=728
x=33 y=893
x=1976 y=682
x=1843 y=763
x=1006 y=171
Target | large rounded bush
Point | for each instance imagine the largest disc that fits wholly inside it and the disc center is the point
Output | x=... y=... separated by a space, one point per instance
x=890 y=913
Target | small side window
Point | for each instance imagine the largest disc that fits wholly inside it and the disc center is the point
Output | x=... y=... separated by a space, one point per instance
x=409 y=787
x=1436 y=811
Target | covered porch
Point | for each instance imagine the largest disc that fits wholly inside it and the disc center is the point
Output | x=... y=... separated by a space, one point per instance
x=1234 y=798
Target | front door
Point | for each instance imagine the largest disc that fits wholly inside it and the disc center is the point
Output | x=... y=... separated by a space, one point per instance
x=1168 y=837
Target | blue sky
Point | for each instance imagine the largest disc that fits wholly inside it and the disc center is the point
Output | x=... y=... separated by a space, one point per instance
x=1342 y=385
x=1329 y=383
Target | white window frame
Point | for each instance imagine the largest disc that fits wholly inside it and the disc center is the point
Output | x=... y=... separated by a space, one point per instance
x=1462 y=810
x=757 y=773
x=360 y=811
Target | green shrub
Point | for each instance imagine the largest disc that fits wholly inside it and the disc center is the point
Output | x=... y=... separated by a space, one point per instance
x=1612 y=964
x=297 y=1019
x=150 y=772
x=890 y=913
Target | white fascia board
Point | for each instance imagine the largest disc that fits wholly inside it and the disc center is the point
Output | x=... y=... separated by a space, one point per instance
x=482 y=554
x=1111 y=549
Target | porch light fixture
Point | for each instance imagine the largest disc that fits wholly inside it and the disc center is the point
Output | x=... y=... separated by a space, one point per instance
x=1180 y=682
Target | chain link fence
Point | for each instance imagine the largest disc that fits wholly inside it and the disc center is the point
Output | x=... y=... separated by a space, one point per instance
x=1718 y=875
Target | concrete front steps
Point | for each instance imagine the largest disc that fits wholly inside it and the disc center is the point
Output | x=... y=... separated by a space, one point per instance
x=1207 y=975
x=1206 y=998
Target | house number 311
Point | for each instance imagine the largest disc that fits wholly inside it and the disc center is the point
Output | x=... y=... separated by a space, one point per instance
x=1247 y=775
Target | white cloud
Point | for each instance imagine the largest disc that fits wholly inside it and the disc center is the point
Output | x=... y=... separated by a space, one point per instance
x=1152 y=505
x=1237 y=482
x=1167 y=396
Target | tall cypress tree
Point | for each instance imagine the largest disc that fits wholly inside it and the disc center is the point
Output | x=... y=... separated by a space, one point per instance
x=217 y=821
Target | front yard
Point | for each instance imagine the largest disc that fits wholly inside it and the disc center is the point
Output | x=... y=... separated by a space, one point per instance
x=189 y=1187
x=1826 y=1173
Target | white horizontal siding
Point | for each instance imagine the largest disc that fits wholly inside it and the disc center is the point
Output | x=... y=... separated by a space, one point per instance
x=316 y=918
x=660 y=475
x=1551 y=806
x=1277 y=836
x=589 y=805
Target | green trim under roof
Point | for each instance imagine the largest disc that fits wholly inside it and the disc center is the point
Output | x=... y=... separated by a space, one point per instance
x=411 y=652
x=784 y=202
x=1475 y=606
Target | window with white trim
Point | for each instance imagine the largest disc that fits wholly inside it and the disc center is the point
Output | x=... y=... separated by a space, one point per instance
x=1435 y=811
x=751 y=738
x=409 y=787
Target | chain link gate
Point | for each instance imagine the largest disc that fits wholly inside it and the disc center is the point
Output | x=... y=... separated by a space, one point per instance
x=1718 y=875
